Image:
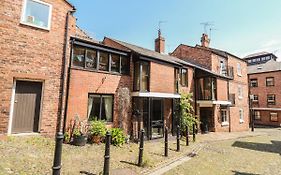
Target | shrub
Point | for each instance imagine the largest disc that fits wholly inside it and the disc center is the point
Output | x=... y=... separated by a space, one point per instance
x=97 y=128
x=117 y=137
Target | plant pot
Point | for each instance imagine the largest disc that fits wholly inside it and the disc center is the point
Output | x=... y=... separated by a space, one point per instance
x=79 y=140
x=96 y=139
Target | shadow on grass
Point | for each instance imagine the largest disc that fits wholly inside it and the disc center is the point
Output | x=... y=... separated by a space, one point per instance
x=86 y=173
x=130 y=163
x=275 y=147
x=243 y=173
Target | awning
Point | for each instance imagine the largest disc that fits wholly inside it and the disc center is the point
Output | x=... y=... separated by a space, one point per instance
x=155 y=94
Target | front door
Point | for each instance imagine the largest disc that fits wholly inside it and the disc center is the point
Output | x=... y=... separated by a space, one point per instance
x=27 y=107
x=157 y=121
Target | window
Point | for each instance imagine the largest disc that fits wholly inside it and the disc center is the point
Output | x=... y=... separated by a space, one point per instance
x=249 y=61
x=273 y=117
x=269 y=81
x=256 y=98
x=78 y=57
x=207 y=88
x=104 y=61
x=100 y=107
x=271 y=99
x=254 y=83
x=183 y=77
x=223 y=67
x=263 y=58
x=257 y=115
x=37 y=14
x=239 y=69
x=91 y=59
x=241 y=115
x=115 y=63
x=224 y=117
x=240 y=92
x=125 y=65
x=141 y=76
x=176 y=77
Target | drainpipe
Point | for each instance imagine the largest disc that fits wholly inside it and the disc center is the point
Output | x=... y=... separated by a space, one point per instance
x=228 y=106
x=64 y=73
x=59 y=135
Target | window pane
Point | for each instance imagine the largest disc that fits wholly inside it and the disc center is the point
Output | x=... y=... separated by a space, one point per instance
x=115 y=61
x=106 y=113
x=36 y=13
x=78 y=56
x=93 y=107
x=125 y=65
x=183 y=77
x=257 y=115
x=145 y=76
x=104 y=61
x=273 y=117
x=91 y=59
x=270 y=81
x=137 y=77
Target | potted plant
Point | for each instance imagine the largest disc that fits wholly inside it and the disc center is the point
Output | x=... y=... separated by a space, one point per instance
x=97 y=131
x=80 y=133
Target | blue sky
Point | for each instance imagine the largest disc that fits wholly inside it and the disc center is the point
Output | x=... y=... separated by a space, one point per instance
x=240 y=26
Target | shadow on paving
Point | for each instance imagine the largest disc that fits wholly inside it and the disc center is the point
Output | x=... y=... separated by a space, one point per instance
x=86 y=173
x=275 y=147
x=243 y=173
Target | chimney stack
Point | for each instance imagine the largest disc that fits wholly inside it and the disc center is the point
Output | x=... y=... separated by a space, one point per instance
x=205 y=41
x=160 y=43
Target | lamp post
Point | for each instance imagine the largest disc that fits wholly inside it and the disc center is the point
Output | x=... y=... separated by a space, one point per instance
x=251 y=112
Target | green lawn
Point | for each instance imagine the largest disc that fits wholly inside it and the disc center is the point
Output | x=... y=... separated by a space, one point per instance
x=245 y=156
x=34 y=155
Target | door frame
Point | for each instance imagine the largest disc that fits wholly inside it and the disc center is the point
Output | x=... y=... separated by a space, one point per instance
x=150 y=116
x=12 y=102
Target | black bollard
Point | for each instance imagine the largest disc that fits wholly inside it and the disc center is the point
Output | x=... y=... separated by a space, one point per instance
x=186 y=137
x=107 y=154
x=58 y=152
x=166 y=141
x=193 y=132
x=141 y=148
x=178 y=138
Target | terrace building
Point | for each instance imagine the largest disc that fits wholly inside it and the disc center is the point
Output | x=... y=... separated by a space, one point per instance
x=264 y=85
x=221 y=97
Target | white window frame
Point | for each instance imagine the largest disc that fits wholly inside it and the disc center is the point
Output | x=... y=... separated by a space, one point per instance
x=256 y=100
x=239 y=69
x=33 y=25
x=240 y=96
x=241 y=115
x=271 y=114
x=224 y=123
x=255 y=116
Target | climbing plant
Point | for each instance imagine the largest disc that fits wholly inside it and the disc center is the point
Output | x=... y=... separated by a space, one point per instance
x=187 y=112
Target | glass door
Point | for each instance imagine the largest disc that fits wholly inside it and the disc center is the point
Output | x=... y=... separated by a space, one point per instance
x=157 y=120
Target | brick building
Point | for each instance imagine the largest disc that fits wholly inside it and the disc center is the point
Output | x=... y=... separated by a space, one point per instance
x=264 y=85
x=33 y=40
x=221 y=97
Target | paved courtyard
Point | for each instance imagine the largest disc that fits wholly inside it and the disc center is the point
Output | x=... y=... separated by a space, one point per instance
x=214 y=153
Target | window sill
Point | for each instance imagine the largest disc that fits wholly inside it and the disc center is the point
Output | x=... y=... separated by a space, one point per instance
x=35 y=26
x=240 y=98
x=239 y=75
x=241 y=121
x=98 y=71
x=224 y=124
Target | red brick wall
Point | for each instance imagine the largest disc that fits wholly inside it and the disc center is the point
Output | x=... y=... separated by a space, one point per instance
x=193 y=54
x=262 y=91
x=33 y=54
x=222 y=90
x=161 y=78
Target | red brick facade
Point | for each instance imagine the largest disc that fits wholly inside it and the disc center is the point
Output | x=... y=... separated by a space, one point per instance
x=262 y=91
x=32 y=54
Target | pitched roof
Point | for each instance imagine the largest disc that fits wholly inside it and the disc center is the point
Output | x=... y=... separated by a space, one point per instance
x=269 y=66
x=162 y=57
x=69 y=4
x=257 y=54
x=219 y=52
x=80 y=33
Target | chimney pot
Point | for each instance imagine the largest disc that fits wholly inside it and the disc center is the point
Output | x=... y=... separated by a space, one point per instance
x=205 y=41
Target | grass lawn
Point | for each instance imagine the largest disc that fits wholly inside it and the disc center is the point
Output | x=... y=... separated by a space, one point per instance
x=34 y=155
x=249 y=155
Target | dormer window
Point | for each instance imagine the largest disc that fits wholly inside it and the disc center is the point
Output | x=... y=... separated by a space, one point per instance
x=36 y=13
